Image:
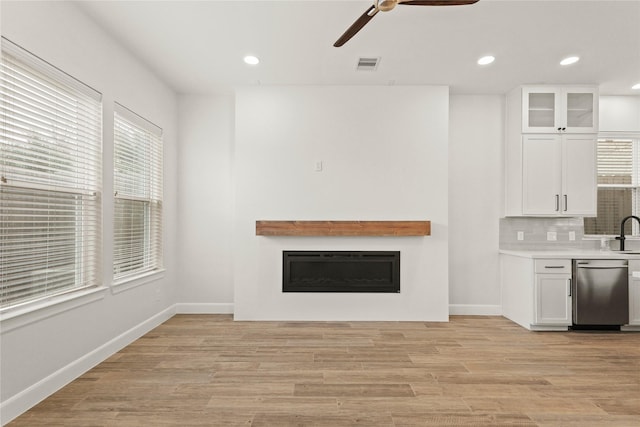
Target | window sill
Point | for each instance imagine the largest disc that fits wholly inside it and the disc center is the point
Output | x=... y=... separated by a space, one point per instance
x=607 y=236
x=30 y=313
x=133 y=282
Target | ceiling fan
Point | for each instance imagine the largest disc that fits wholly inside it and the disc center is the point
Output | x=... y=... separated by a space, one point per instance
x=387 y=5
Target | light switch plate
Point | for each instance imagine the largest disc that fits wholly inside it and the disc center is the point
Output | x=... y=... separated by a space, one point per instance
x=572 y=235
x=520 y=235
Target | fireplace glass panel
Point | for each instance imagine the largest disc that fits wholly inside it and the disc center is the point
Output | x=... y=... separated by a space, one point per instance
x=341 y=271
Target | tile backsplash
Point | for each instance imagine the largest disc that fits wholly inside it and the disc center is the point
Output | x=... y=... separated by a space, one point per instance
x=536 y=231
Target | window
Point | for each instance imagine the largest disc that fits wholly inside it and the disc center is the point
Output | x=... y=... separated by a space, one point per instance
x=50 y=167
x=618 y=186
x=138 y=196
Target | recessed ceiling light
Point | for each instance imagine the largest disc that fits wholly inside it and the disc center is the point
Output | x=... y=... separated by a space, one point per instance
x=569 y=60
x=486 y=60
x=251 y=60
x=636 y=86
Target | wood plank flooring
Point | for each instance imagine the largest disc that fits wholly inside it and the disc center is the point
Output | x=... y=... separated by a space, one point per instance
x=207 y=370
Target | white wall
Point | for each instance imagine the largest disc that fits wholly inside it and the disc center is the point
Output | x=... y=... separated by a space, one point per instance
x=41 y=351
x=205 y=201
x=475 y=201
x=384 y=154
x=620 y=114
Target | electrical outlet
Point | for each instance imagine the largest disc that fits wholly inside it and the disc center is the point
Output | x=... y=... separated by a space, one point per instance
x=520 y=235
x=552 y=235
x=572 y=235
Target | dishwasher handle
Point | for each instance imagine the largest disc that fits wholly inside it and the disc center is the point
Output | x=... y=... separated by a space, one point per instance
x=601 y=263
x=603 y=267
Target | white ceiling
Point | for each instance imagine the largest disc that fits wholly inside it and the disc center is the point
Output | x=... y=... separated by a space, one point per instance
x=198 y=46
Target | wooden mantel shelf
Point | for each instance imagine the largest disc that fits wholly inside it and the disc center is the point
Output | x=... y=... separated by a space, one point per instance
x=343 y=228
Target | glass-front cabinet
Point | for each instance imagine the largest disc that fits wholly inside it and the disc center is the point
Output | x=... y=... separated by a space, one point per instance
x=564 y=110
x=551 y=151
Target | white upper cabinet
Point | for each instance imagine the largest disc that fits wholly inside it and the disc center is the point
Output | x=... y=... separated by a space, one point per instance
x=579 y=175
x=542 y=175
x=559 y=175
x=550 y=151
x=549 y=109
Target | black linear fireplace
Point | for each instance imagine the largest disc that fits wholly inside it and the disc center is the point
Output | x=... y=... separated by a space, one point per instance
x=341 y=271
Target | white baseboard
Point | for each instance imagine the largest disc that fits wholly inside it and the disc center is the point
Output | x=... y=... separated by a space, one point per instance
x=204 y=308
x=474 y=310
x=227 y=308
x=26 y=399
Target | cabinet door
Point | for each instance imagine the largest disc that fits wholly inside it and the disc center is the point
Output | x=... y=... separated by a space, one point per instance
x=553 y=299
x=634 y=301
x=572 y=109
x=541 y=174
x=579 y=110
x=540 y=110
x=579 y=175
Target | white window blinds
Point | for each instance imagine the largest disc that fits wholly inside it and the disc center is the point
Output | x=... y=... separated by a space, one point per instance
x=138 y=196
x=615 y=162
x=618 y=166
x=50 y=167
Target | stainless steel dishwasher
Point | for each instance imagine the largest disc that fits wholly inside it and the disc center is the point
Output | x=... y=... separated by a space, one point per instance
x=600 y=292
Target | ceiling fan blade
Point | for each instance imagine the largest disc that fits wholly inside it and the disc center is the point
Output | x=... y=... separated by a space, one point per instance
x=436 y=2
x=356 y=26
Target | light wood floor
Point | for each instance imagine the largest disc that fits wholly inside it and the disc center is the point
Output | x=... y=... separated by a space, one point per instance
x=208 y=370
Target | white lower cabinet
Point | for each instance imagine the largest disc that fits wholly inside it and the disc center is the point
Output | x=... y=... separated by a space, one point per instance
x=634 y=302
x=536 y=294
x=553 y=299
x=552 y=292
x=634 y=293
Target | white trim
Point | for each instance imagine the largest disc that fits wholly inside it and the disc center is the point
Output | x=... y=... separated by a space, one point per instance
x=619 y=135
x=48 y=69
x=557 y=328
x=475 y=310
x=204 y=308
x=137 y=119
x=21 y=402
x=135 y=281
x=26 y=314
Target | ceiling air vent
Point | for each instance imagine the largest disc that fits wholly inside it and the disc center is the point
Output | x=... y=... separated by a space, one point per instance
x=367 y=64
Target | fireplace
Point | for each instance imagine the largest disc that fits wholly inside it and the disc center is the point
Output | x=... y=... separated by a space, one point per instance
x=341 y=271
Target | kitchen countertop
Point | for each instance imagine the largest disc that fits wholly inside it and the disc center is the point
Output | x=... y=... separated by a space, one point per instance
x=572 y=254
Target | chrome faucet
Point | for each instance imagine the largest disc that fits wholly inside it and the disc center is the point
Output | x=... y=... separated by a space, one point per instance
x=621 y=236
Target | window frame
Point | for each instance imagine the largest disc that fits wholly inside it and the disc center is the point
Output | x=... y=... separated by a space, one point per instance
x=33 y=93
x=151 y=196
x=634 y=137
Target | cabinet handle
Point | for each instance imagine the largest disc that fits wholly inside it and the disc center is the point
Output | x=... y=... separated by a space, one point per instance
x=554 y=266
x=569 y=286
x=557 y=202
x=565 y=203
